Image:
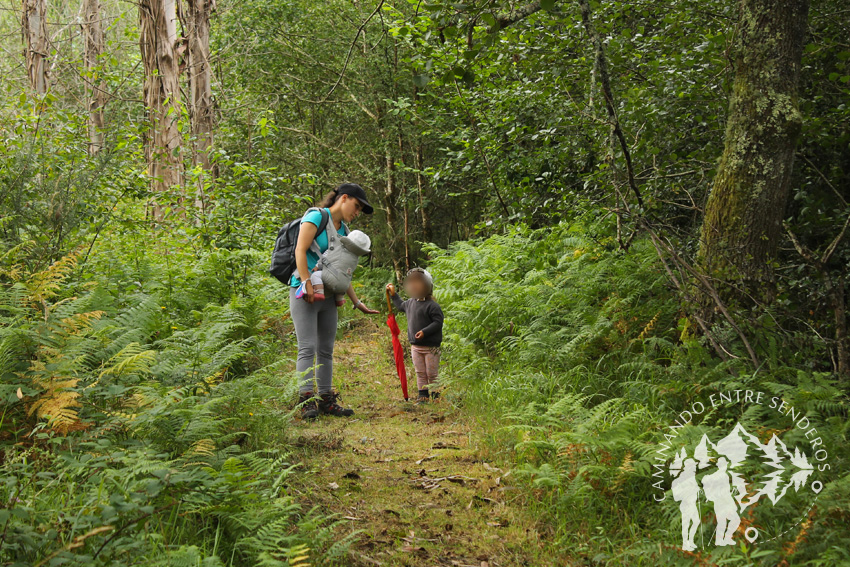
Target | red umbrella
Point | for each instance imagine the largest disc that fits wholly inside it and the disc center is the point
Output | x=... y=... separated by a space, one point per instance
x=398 y=351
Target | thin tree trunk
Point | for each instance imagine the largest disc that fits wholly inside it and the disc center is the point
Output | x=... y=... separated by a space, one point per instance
x=744 y=212
x=420 y=186
x=158 y=42
x=390 y=200
x=405 y=207
x=841 y=339
x=201 y=107
x=95 y=89
x=37 y=49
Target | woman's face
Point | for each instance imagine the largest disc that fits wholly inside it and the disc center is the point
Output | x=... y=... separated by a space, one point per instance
x=350 y=208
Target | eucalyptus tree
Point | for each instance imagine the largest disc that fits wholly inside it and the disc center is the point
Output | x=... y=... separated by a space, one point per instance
x=37 y=43
x=92 y=29
x=196 y=16
x=158 y=41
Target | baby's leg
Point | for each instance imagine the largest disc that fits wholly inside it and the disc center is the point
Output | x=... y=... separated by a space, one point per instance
x=318 y=286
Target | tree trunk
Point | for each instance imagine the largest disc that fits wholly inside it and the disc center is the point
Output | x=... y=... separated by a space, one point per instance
x=34 y=28
x=420 y=186
x=390 y=200
x=158 y=42
x=841 y=339
x=95 y=89
x=744 y=212
x=201 y=108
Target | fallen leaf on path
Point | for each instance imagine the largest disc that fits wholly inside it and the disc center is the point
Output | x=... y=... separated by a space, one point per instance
x=393 y=512
x=491 y=468
x=479 y=499
x=428 y=458
x=333 y=486
x=352 y=518
x=412 y=549
x=351 y=475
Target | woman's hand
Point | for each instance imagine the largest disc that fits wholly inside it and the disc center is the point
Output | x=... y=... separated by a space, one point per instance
x=308 y=291
x=419 y=335
x=362 y=307
x=391 y=288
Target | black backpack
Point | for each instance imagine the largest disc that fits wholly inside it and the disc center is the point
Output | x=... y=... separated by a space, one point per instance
x=283 y=256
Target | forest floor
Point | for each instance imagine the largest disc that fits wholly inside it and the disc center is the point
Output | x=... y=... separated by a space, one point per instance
x=418 y=482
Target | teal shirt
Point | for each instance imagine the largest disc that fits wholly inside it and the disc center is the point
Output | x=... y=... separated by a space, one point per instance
x=315 y=217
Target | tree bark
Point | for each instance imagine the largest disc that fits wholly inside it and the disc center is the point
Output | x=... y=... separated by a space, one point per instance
x=158 y=43
x=743 y=215
x=37 y=49
x=420 y=186
x=201 y=107
x=390 y=201
x=95 y=88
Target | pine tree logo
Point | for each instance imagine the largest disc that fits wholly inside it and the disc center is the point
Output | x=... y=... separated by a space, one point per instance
x=735 y=475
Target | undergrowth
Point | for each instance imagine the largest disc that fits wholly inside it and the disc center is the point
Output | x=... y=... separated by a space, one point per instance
x=145 y=413
x=581 y=352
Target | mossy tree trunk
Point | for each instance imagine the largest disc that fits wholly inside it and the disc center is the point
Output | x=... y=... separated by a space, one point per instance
x=744 y=212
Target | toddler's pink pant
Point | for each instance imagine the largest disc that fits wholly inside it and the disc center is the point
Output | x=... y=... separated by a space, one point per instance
x=426 y=362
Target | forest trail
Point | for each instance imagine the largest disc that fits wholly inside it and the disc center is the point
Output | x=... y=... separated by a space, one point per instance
x=417 y=480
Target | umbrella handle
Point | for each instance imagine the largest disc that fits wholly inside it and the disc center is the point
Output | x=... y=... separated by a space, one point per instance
x=389 y=301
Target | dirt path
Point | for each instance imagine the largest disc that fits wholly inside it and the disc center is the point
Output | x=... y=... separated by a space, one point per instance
x=416 y=479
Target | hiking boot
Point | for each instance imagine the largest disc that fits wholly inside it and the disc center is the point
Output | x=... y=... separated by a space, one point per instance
x=422 y=398
x=309 y=406
x=329 y=406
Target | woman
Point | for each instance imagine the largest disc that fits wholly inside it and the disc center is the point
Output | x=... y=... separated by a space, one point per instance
x=315 y=321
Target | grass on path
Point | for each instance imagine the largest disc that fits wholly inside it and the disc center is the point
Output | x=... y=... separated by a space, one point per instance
x=417 y=481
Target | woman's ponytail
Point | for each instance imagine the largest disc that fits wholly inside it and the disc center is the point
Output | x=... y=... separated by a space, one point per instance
x=329 y=199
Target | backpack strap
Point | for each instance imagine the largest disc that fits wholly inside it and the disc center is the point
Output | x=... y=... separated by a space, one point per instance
x=323 y=226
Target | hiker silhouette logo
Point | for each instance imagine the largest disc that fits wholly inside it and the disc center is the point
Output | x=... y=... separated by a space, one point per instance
x=735 y=483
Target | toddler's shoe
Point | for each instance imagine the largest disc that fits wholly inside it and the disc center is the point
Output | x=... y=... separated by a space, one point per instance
x=318 y=296
x=340 y=300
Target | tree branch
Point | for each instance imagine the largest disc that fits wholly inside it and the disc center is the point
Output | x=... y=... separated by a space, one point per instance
x=514 y=16
x=351 y=48
x=605 y=83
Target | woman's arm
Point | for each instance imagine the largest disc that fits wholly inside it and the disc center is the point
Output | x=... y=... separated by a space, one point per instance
x=357 y=303
x=306 y=236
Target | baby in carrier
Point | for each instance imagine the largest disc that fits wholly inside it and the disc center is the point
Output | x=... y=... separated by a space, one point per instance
x=336 y=266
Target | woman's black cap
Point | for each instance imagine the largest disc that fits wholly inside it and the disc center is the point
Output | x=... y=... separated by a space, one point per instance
x=356 y=191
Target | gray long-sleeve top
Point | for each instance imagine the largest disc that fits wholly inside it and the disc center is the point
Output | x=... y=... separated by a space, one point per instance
x=422 y=315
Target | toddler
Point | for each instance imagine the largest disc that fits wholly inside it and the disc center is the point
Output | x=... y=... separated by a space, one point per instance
x=424 y=329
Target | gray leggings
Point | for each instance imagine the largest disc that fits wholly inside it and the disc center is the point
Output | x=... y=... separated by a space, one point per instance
x=315 y=327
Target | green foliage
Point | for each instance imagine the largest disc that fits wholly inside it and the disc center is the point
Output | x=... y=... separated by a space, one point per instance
x=136 y=428
x=580 y=350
